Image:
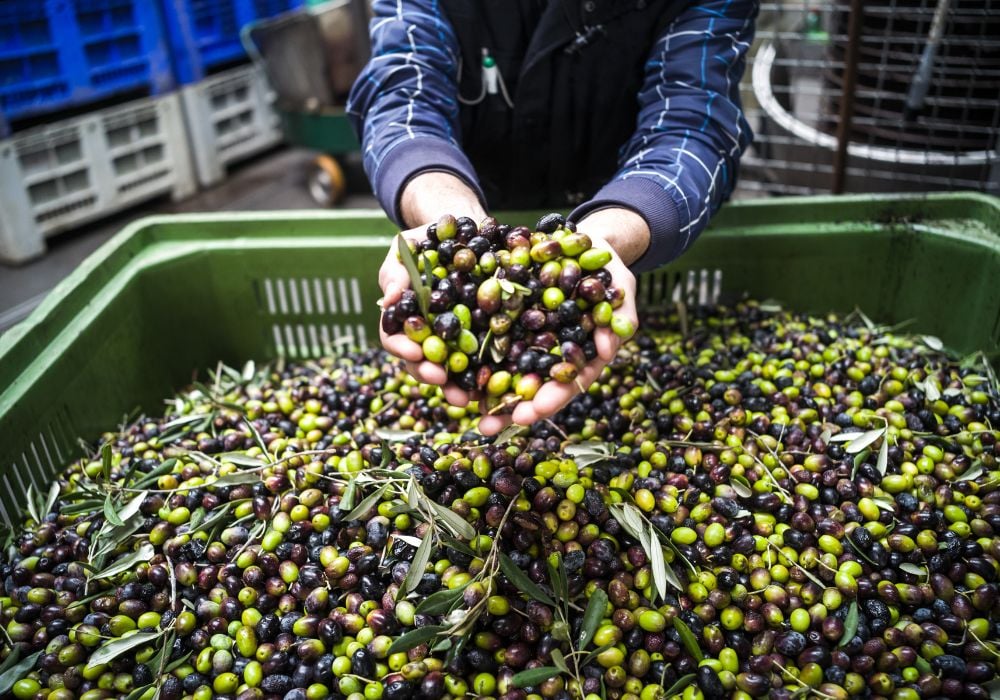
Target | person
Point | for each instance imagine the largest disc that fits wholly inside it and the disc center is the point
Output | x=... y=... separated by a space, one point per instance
x=628 y=111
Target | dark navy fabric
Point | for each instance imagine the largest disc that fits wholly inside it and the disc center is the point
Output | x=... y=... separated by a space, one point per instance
x=676 y=168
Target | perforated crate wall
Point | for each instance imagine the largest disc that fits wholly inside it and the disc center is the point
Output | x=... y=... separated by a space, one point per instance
x=80 y=169
x=229 y=117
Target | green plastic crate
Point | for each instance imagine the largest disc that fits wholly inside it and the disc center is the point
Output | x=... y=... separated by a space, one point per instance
x=172 y=295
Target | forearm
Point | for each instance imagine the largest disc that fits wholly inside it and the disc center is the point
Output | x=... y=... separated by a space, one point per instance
x=623 y=229
x=404 y=105
x=429 y=195
x=680 y=164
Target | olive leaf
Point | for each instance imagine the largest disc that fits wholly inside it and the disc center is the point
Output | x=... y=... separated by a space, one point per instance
x=396 y=435
x=657 y=563
x=50 y=500
x=236 y=478
x=257 y=437
x=109 y=513
x=589 y=454
x=132 y=507
x=859 y=459
x=443 y=644
x=18 y=669
x=630 y=518
x=557 y=577
x=409 y=539
x=688 y=639
x=367 y=503
x=32 y=507
x=197 y=516
x=117 y=647
x=594 y=653
x=441 y=602
x=741 y=485
x=213 y=519
x=138 y=692
x=453 y=521
x=106 y=460
x=127 y=562
x=592 y=616
x=973 y=472
x=509 y=433
x=560 y=661
x=679 y=686
x=534 y=676
x=864 y=440
x=410 y=263
x=913 y=569
x=933 y=342
x=241 y=459
x=930 y=388
x=459 y=546
x=883 y=458
x=850 y=624
x=165 y=468
x=413 y=639
x=521 y=582
x=417 y=566
x=885 y=503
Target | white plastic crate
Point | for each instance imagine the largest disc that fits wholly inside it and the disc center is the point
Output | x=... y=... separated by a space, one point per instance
x=229 y=117
x=80 y=169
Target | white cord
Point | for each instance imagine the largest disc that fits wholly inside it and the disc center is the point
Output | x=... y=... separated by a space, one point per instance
x=492 y=79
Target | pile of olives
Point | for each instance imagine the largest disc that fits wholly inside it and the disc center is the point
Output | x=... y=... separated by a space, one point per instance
x=507 y=308
x=766 y=505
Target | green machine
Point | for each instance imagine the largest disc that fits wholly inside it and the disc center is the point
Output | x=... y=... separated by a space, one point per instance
x=311 y=58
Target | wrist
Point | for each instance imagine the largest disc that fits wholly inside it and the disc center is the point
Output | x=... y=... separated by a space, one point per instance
x=429 y=195
x=625 y=231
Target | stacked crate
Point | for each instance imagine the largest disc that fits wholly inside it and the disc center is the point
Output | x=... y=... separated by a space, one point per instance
x=76 y=55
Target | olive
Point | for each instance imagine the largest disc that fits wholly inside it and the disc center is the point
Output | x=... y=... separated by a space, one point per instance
x=447 y=325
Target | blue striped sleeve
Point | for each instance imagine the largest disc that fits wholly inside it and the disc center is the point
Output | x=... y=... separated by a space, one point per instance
x=680 y=164
x=404 y=102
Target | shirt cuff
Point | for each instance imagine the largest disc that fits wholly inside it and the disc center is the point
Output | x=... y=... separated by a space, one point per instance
x=409 y=158
x=653 y=203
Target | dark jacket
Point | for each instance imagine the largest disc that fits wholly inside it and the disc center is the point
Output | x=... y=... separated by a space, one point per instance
x=614 y=103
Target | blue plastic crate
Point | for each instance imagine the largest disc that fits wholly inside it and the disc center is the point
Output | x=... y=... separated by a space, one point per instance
x=56 y=54
x=205 y=34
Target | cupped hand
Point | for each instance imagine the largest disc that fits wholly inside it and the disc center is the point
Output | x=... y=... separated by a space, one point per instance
x=394 y=280
x=553 y=395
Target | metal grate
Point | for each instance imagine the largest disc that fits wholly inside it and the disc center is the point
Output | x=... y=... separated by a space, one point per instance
x=897 y=131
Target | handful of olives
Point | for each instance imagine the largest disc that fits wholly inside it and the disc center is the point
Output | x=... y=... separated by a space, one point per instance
x=506 y=308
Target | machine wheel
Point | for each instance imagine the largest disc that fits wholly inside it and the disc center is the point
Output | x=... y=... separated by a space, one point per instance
x=326 y=181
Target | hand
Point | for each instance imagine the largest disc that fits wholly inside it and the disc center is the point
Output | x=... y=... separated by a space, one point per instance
x=553 y=395
x=424 y=199
x=394 y=280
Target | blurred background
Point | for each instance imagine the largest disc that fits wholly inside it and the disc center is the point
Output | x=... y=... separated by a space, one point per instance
x=111 y=110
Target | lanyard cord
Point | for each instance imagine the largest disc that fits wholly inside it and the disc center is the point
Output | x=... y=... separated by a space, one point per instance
x=491 y=81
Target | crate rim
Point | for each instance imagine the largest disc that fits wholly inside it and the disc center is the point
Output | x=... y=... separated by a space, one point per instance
x=93 y=264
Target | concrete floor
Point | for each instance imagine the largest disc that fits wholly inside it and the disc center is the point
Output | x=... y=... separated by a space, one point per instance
x=276 y=180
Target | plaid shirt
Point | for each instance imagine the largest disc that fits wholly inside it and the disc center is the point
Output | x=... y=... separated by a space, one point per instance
x=677 y=168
